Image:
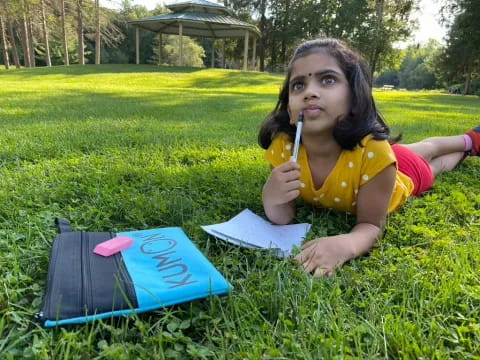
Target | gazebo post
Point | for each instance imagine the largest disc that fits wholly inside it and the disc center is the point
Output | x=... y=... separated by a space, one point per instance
x=254 y=54
x=213 y=53
x=223 y=53
x=245 y=52
x=160 y=48
x=137 y=44
x=180 y=34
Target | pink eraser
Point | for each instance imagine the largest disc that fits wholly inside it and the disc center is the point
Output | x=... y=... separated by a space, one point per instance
x=113 y=246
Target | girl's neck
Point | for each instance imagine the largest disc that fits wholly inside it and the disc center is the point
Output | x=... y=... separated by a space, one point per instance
x=321 y=146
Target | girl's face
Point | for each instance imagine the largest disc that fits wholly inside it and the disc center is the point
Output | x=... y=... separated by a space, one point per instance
x=319 y=88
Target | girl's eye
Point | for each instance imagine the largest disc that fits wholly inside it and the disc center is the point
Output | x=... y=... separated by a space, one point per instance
x=328 y=80
x=298 y=86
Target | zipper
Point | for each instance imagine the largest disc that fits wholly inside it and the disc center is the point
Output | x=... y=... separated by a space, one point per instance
x=85 y=266
x=40 y=316
x=125 y=280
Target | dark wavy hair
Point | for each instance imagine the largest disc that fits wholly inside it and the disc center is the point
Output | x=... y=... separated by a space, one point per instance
x=363 y=118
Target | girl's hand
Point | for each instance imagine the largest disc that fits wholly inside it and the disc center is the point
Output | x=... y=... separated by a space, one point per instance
x=321 y=256
x=282 y=185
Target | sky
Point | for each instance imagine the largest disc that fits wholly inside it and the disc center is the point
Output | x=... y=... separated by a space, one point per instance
x=429 y=26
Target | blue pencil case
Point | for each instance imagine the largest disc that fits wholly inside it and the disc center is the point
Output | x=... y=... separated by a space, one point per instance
x=162 y=267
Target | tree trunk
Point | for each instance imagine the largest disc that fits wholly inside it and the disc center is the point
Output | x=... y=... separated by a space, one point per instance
x=48 y=60
x=374 y=60
x=65 y=41
x=286 y=20
x=97 y=32
x=274 y=54
x=468 y=83
x=30 y=35
x=4 y=43
x=379 y=41
x=262 y=26
x=25 y=44
x=81 y=44
x=13 y=42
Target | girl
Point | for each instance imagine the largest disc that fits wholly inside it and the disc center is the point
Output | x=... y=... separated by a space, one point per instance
x=345 y=160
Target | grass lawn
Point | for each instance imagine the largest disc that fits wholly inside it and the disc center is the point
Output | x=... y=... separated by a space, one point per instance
x=115 y=148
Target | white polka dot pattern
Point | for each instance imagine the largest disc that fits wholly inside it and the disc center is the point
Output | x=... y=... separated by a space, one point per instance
x=353 y=170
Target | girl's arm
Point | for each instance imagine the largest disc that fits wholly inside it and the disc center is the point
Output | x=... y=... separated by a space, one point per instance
x=280 y=191
x=321 y=256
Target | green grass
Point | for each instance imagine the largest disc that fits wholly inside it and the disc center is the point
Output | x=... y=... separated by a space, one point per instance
x=134 y=147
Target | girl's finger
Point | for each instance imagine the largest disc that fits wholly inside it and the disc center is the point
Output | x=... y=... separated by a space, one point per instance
x=293 y=185
x=288 y=166
x=292 y=175
x=310 y=265
x=320 y=272
x=292 y=195
x=302 y=257
x=308 y=244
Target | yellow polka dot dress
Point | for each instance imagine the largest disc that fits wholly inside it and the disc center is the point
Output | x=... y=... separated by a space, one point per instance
x=353 y=169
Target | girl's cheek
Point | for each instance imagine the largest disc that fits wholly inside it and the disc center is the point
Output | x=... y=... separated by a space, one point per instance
x=290 y=115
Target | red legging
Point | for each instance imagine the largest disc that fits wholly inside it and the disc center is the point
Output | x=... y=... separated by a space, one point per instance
x=415 y=167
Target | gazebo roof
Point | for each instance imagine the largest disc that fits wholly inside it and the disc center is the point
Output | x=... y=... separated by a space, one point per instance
x=199 y=6
x=197 y=24
x=199 y=18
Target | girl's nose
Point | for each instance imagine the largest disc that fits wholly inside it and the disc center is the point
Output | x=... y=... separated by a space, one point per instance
x=311 y=92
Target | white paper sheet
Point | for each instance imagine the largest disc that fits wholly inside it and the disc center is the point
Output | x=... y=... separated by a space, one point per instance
x=250 y=230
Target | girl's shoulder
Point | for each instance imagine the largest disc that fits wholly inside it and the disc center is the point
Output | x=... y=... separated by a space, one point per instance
x=282 y=137
x=370 y=149
x=280 y=149
x=369 y=143
x=281 y=140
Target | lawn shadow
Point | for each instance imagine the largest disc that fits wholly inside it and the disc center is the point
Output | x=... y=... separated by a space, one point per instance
x=220 y=79
x=80 y=70
x=88 y=122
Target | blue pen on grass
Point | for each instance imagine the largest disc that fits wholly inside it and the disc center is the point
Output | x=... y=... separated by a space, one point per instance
x=296 y=145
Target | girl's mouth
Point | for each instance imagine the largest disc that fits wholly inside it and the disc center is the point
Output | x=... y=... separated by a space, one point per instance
x=312 y=111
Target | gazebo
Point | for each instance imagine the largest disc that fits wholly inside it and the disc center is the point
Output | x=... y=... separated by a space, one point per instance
x=199 y=18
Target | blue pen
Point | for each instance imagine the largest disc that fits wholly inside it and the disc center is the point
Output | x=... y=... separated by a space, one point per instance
x=296 y=146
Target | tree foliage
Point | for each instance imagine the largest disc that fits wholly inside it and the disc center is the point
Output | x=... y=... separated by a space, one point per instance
x=461 y=56
x=416 y=69
x=371 y=26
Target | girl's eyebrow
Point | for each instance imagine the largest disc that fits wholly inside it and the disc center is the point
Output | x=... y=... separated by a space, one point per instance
x=318 y=73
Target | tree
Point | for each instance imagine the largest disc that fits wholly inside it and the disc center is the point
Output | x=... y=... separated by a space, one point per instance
x=3 y=35
x=462 y=52
x=30 y=32
x=27 y=62
x=13 y=42
x=193 y=53
x=97 y=32
x=66 y=60
x=386 y=22
x=416 y=70
x=81 y=44
x=48 y=60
